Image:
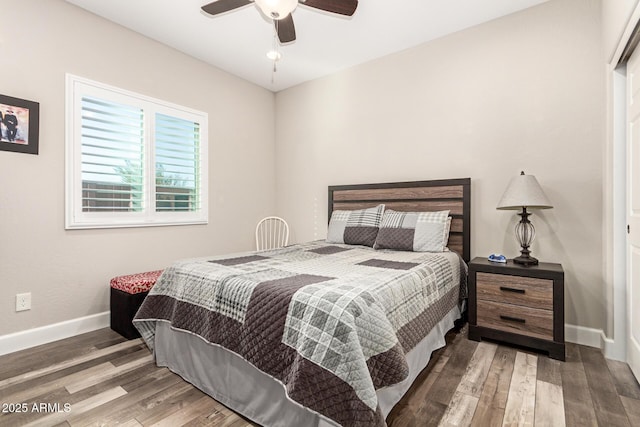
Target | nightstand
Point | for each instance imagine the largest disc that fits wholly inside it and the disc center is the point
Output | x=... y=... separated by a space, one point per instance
x=519 y=305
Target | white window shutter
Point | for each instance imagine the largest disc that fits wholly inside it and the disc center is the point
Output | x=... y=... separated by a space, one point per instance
x=132 y=160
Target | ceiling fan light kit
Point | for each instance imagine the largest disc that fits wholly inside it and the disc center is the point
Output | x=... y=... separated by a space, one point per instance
x=277 y=9
x=280 y=11
x=274 y=55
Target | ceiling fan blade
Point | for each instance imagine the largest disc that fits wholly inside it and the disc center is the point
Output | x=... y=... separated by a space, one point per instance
x=222 y=6
x=341 y=7
x=285 y=28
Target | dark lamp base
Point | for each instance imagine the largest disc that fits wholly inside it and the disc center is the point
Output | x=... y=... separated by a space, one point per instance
x=525 y=260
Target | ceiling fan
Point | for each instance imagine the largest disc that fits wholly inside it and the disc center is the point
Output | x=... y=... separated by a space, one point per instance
x=280 y=11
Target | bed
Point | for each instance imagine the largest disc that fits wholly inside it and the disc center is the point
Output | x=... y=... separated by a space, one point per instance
x=320 y=333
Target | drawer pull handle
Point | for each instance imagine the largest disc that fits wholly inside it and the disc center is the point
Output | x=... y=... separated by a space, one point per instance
x=517 y=291
x=512 y=319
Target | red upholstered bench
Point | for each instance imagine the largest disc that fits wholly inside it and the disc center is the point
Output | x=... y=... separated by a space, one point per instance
x=127 y=294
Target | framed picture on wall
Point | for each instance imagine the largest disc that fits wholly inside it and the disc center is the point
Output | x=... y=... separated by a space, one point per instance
x=19 y=125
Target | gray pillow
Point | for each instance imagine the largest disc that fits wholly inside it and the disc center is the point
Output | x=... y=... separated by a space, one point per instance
x=357 y=227
x=414 y=231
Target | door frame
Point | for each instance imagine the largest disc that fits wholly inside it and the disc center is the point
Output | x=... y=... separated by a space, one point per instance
x=615 y=215
x=615 y=204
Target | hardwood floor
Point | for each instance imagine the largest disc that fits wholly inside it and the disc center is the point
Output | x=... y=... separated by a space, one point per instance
x=99 y=379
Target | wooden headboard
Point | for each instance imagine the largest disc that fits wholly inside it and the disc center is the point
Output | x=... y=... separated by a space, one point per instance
x=415 y=196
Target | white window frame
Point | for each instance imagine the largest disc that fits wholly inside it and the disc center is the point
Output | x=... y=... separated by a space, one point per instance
x=75 y=218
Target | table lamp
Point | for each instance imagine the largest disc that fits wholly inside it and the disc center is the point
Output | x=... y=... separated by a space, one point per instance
x=524 y=193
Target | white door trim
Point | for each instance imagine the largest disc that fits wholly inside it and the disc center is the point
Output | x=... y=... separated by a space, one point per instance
x=614 y=211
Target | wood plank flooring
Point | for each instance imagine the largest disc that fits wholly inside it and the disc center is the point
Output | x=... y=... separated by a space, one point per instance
x=100 y=379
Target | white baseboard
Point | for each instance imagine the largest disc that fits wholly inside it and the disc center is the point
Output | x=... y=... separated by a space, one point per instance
x=614 y=350
x=590 y=337
x=595 y=338
x=33 y=337
x=46 y=334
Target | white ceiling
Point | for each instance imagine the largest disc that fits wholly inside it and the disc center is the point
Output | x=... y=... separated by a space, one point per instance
x=238 y=41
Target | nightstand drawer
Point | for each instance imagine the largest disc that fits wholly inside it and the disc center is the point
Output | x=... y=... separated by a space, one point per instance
x=524 y=291
x=517 y=319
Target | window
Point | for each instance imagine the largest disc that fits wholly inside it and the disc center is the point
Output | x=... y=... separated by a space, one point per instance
x=132 y=160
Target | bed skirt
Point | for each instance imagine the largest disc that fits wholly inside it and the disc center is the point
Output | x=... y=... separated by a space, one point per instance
x=240 y=386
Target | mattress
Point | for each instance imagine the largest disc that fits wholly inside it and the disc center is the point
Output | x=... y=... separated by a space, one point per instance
x=240 y=386
x=331 y=325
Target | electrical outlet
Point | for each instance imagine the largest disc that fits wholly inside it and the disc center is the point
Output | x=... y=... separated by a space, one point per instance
x=23 y=301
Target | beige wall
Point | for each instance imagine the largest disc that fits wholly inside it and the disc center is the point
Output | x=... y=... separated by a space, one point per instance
x=68 y=272
x=524 y=92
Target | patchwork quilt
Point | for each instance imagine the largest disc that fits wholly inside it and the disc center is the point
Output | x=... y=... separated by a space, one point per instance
x=331 y=322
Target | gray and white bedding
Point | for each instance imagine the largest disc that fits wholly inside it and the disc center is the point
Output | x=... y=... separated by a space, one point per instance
x=333 y=323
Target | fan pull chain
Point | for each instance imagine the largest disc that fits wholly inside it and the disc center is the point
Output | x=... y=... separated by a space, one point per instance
x=275 y=51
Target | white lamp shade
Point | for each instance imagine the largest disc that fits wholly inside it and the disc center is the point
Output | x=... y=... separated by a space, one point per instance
x=524 y=191
x=277 y=9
